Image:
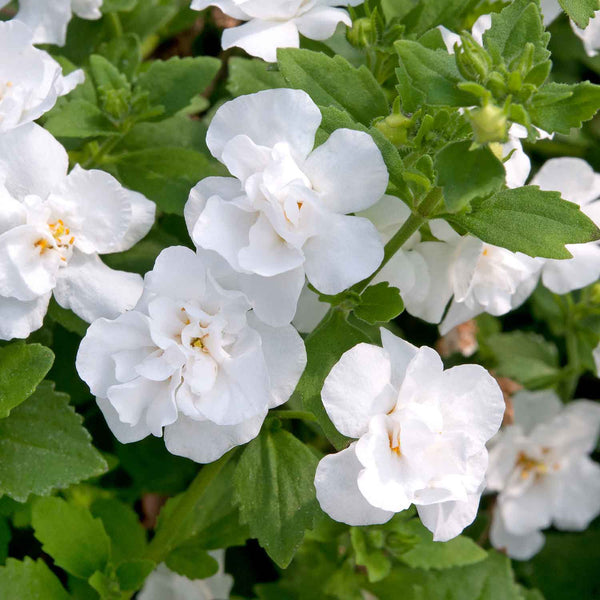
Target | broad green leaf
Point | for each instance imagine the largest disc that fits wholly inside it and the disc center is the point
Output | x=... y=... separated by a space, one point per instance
x=580 y=11
x=559 y=107
x=44 y=446
x=70 y=534
x=334 y=82
x=428 y=77
x=529 y=220
x=466 y=174
x=489 y=579
x=131 y=574
x=192 y=561
x=324 y=346
x=22 y=368
x=173 y=83
x=427 y=554
x=106 y=75
x=121 y=523
x=518 y=24
x=106 y=585
x=30 y=580
x=275 y=492
x=248 y=76
x=379 y=303
x=79 y=119
x=166 y=175
x=428 y=14
x=525 y=357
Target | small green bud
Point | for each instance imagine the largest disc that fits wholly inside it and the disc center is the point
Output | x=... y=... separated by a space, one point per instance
x=116 y=102
x=362 y=33
x=395 y=128
x=489 y=124
x=473 y=61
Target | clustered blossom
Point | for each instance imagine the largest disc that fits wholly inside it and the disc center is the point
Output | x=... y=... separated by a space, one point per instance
x=48 y=19
x=541 y=469
x=285 y=213
x=422 y=433
x=30 y=79
x=272 y=24
x=53 y=226
x=192 y=360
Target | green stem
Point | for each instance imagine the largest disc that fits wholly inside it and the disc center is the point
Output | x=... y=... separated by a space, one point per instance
x=115 y=23
x=292 y=414
x=105 y=148
x=171 y=528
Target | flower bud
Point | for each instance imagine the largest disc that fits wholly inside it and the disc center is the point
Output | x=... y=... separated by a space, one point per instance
x=489 y=124
x=395 y=128
x=473 y=62
x=362 y=33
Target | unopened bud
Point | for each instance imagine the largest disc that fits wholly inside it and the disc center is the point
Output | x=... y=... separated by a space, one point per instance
x=361 y=34
x=473 y=61
x=395 y=128
x=489 y=124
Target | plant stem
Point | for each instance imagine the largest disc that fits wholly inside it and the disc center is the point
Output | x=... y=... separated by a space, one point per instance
x=169 y=531
x=105 y=148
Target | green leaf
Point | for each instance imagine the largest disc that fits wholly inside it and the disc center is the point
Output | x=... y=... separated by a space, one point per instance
x=489 y=579
x=166 y=174
x=106 y=585
x=192 y=561
x=428 y=77
x=580 y=11
x=43 y=446
x=370 y=556
x=428 y=14
x=30 y=580
x=559 y=107
x=518 y=24
x=125 y=53
x=324 y=346
x=275 y=492
x=5 y=537
x=466 y=174
x=121 y=523
x=248 y=76
x=70 y=534
x=106 y=76
x=334 y=82
x=427 y=554
x=131 y=574
x=173 y=83
x=109 y=6
x=525 y=357
x=79 y=119
x=529 y=220
x=22 y=368
x=379 y=303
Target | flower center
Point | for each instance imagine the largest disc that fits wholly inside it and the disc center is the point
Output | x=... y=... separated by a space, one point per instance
x=5 y=88
x=395 y=447
x=198 y=343
x=530 y=466
x=63 y=240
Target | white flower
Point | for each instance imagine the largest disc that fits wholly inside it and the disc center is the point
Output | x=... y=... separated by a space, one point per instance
x=191 y=359
x=284 y=214
x=273 y=24
x=164 y=584
x=541 y=469
x=422 y=434
x=52 y=228
x=48 y=19
x=577 y=183
x=30 y=79
x=596 y=355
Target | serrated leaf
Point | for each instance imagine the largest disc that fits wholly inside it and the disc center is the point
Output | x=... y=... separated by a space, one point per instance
x=30 y=580
x=324 y=346
x=334 y=82
x=559 y=106
x=44 y=446
x=275 y=493
x=427 y=554
x=428 y=14
x=580 y=11
x=22 y=368
x=79 y=119
x=70 y=534
x=174 y=82
x=428 y=77
x=529 y=220
x=466 y=174
x=192 y=561
x=379 y=303
x=248 y=76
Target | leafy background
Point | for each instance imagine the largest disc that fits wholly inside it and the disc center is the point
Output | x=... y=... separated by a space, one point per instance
x=78 y=509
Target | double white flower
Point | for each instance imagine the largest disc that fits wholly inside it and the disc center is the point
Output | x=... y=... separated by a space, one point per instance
x=273 y=24
x=52 y=228
x=190 y=359
x=284 y=215
x=541 y=469
x=422 y=433
x=30 y=79
x=48 y=19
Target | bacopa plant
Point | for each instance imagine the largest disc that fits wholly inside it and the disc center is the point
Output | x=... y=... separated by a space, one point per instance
x=299 y=299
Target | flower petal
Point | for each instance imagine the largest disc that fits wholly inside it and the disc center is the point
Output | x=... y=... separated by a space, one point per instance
x=320 y=22
x=446 y=520
x=18 y=319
